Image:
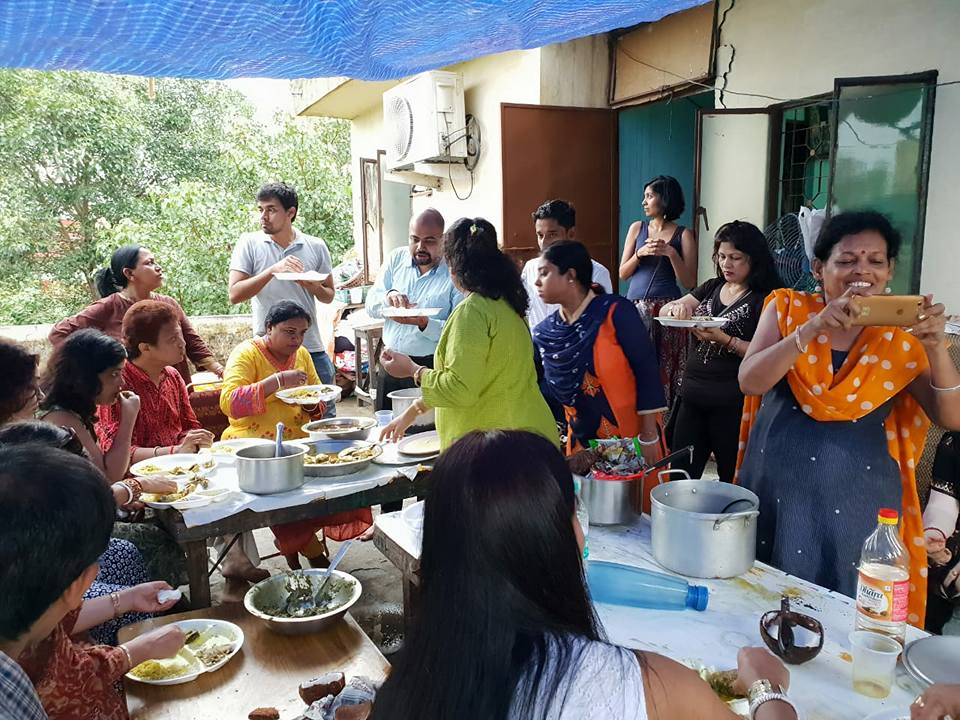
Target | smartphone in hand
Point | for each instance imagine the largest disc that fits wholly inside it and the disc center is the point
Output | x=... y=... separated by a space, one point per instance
x=895 y=310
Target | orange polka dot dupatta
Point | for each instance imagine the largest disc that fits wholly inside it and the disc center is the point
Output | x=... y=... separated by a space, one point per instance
x=880 y=366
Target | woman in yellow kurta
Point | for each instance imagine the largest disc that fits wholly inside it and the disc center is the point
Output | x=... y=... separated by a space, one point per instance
x=484 y=376
x=255 y=371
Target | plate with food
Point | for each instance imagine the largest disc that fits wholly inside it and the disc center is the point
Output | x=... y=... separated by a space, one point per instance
x=308 y=276
x=225 y=450
x=409 y=312
x=421 y=444
x=186 y=496
x=309 y=394
x=209 y=646
x=392 y=456
x=331 y=458
x=177 y=466
x=698 y=321
x=722 y=683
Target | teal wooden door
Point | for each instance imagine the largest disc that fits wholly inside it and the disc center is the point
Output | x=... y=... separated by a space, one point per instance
x=657 y=139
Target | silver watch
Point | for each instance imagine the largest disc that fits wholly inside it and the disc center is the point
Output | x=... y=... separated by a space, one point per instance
x=763 y=691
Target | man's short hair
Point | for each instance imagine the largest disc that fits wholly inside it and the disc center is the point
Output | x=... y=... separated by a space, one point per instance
x=560 y=210
x=280 y=191
x=57 y=513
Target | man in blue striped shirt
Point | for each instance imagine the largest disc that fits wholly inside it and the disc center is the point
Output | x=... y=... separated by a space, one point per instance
x=415 y=276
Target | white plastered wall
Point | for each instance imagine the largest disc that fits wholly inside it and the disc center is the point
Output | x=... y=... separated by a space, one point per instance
x=512 y=77
x=795 y=49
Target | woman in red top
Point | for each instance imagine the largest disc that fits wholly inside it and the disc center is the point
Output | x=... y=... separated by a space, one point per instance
x=166 y=423
x=134 y=275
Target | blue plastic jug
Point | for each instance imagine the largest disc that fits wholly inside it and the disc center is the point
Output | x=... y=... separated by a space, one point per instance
x=617 y=584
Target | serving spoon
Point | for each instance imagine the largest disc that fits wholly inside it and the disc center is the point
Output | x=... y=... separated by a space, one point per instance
x=308 y=605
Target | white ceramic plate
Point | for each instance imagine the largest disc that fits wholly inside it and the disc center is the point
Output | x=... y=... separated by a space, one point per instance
x=392 y=456
x=164 y=464
x=225 y=450
x=324 y=393
x=421 y=444
x=200 y=625
x=891 y=714
x=412 y=516
x=310 y=276
x=694 y=322
x=395 y=312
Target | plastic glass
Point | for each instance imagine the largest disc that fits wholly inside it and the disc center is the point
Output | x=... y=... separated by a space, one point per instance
x=384 y=417
x=874 y=662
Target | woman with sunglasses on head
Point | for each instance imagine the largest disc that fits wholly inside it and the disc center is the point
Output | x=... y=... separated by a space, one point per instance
x=134 y=275
x=708 y=404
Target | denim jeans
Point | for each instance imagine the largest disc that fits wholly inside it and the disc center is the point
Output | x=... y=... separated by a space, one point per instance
x=327 y=373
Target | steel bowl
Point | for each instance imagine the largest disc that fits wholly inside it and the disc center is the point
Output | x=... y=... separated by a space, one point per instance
x=260 y=473
x=335 y=446
x=400 y=400
x=339 y=428
x=272 y=592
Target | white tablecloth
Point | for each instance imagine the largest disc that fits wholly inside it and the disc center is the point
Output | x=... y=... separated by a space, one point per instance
x=225 y=476
x=821 y=688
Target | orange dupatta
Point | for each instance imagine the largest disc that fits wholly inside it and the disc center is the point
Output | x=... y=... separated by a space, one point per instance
x=887 y=360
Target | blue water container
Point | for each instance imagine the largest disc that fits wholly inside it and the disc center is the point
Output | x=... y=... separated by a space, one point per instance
x=616 y=584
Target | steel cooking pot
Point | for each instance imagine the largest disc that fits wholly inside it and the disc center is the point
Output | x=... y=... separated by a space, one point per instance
x=259 y=472
x=402 y=399
x=703 y=528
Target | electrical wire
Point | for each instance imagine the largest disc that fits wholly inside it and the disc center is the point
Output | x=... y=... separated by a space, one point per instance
x=771 y=97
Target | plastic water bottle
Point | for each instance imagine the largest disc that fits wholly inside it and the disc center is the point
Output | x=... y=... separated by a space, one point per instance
x=616 y=584
x=584 y=518
x=883 y=585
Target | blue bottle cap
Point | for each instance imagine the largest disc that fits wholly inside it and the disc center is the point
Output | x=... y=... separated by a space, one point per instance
x=697 y=597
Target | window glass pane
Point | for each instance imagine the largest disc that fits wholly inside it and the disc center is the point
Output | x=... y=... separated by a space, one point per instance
x=882 y=131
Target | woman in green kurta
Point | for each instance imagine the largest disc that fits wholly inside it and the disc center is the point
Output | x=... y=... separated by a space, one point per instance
x=484 y=376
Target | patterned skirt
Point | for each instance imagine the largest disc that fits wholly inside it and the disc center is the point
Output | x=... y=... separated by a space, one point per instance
x=669 y=343
x=121 y=567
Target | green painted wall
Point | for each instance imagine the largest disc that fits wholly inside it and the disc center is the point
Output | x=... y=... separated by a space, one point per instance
x=657 y=139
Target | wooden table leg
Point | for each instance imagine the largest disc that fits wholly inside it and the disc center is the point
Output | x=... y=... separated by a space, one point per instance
x=197 y=562
x=411 y=602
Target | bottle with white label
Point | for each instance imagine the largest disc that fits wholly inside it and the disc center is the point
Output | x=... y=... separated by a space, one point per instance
x=883 y=585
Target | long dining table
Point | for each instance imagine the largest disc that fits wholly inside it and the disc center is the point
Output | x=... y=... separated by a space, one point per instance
x=821 y=688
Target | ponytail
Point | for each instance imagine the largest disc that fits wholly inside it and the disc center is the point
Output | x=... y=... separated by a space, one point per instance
x=471 y=250
x=111 y=278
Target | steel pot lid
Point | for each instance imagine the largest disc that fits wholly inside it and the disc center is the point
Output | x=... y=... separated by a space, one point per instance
x=934 y=659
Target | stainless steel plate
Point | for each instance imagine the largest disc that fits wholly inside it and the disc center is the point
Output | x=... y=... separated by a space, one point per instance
x=934 y=659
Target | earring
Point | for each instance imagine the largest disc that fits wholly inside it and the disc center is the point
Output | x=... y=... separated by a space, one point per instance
x=818 y=288
x=887 y=291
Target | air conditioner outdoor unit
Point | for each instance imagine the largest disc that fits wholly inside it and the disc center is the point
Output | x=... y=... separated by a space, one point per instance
x=424 y=120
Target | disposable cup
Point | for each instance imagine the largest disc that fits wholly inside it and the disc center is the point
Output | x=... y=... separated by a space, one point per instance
x=384 y=417
x=874 y=662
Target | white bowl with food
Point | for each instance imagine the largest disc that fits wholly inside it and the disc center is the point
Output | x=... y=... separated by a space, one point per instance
x=210 y=645
x=309 y=394
x=267 y=600
x=333 y=458
x=339 y=428
x=180 y=466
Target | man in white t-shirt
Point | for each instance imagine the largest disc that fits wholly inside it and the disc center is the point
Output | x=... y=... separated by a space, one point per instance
x=553 y=221
x=278 y=248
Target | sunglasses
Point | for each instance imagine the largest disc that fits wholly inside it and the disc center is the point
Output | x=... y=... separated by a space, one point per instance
x=71 y=443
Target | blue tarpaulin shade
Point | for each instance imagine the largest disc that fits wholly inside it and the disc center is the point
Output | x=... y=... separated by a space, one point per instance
x=365 y=39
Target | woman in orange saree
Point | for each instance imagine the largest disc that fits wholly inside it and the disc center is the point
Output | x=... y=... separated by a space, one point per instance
x=844 y=413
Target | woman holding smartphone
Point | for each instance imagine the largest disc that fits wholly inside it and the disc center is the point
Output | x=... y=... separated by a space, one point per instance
x=844 y=412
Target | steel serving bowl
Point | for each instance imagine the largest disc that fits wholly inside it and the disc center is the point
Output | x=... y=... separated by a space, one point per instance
x=336 y=446
x=339 y=428
x=272 y=593
x=260 y=473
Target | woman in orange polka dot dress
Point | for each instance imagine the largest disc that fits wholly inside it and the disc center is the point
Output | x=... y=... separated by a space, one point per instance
x=843 y=414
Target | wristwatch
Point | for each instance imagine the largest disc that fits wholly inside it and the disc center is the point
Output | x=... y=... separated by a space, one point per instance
x=763 y=691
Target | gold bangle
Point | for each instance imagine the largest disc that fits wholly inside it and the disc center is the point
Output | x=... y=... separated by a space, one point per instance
x=115 y=599
x=129 y=658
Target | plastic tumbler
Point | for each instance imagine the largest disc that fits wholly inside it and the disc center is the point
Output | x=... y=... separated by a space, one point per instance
x=384 y=417
x=874 y=662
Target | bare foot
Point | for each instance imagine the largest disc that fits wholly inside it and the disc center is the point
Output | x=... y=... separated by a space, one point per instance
x=234 y=590
x=246 y=573
x=367 y=535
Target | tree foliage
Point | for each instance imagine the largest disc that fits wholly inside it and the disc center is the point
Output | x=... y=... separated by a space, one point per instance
x=89 y=162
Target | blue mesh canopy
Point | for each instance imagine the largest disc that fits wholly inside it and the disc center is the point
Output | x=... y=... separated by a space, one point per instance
x=365 y=39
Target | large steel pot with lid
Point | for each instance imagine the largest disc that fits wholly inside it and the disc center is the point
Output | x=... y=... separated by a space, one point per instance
x=703 y=528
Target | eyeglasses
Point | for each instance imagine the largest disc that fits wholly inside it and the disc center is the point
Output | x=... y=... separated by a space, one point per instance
x=71 y=443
